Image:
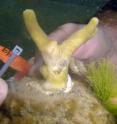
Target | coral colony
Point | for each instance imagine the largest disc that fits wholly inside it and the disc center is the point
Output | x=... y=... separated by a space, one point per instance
x=57 y=56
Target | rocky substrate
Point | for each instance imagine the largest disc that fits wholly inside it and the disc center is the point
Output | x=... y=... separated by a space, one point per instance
x=26 y=104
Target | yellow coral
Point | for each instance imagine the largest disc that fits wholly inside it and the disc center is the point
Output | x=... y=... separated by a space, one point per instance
x=56 y=56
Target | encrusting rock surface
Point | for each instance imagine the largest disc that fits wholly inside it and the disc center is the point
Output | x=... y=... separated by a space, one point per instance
x=26 y=104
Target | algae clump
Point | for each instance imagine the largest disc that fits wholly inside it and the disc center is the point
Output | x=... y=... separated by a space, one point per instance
x=103 y=79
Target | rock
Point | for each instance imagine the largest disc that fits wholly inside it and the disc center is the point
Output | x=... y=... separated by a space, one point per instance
x=26 y=104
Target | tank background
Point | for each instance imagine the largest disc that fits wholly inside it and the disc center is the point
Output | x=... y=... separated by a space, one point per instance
x=51 y=13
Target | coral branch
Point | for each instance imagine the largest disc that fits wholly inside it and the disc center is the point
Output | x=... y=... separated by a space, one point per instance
x=34 y=29
x=79 y=37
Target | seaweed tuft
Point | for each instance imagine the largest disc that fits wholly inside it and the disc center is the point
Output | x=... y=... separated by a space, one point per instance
x=103 y=79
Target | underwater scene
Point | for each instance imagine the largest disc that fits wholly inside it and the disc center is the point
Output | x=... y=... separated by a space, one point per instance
x=58 y=62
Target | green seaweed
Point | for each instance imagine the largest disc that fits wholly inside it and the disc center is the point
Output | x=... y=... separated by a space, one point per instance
x=103 y=79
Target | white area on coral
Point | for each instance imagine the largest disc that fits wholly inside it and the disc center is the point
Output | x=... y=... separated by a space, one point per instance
x=69 y=85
